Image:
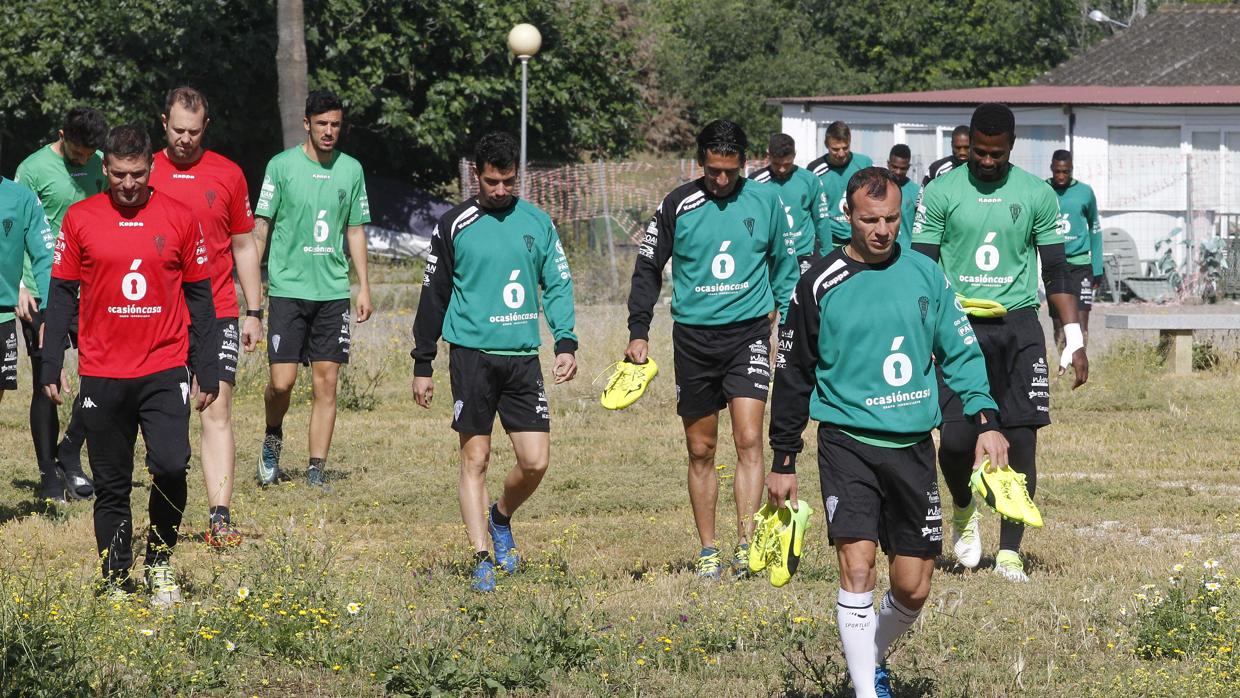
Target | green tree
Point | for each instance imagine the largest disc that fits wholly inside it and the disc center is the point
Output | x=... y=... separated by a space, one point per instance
x=121 y=56
x=424 y=80
x=727 y=57
x=936 y=44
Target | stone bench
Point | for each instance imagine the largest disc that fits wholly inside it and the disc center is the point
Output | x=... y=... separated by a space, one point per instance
x=1177 y=328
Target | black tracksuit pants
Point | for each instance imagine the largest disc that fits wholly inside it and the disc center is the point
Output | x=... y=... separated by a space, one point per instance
x=113 y=410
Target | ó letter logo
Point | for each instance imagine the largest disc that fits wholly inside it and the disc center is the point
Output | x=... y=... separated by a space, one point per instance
x=133 y=286
x=321 y=228
x=723 y=266
x=987 y=256
x=514 y=293
x=897 y=367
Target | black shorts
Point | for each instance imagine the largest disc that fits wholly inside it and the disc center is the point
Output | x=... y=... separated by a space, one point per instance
x=1081 y=285
x=30 y=332
x=227 y=341
x=8 y=368
x=888 y=495
x=715 y=364
x=483 y=384
x=300 y=331
x=1015 y=351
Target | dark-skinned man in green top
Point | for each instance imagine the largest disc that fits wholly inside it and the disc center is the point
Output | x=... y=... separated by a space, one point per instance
x=988 y=224
x=489 y=257
x=800 y=190
x=1078 y=222
x=856 y=354
x=61 y=174
x=727 y=238
x=898 y=161
x=834 y=168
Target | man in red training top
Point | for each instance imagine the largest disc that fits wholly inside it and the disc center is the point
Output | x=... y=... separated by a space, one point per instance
x=140 y=262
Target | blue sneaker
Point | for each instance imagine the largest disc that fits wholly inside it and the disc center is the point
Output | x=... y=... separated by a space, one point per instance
x=882 y=682
x=484 y=576
x=269 y=460
x=505 y=546
x=316 y=477
x=708 y=564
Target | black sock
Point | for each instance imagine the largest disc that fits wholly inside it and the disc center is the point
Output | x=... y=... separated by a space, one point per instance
x=220 y=514
x=497 y=518
x=320 y=463
x=276 y=431
x=481 y=556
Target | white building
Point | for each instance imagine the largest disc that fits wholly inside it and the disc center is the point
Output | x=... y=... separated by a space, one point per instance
x=1158 y=147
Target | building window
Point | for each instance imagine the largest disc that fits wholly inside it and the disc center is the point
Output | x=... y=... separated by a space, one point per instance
x=1145 y=169
x=1034 y=147
x=1205 y=166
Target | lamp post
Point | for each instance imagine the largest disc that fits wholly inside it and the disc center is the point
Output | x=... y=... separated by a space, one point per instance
x=524 y=40
x=1100 y=17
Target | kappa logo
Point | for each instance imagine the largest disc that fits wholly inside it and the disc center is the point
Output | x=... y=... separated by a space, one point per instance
x=8 y=226
x=210 y=198
x=749 y=226
x=185 y=392
x=1015 y=209
x=832 y=502
x=88 y=403
x=923 y=304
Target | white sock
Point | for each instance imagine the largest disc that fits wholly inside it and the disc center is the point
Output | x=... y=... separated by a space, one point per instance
x=893 y=620
x=855 y=615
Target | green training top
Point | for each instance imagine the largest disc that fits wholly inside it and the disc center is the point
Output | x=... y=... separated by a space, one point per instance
x=1078 y=223
x=834 y=187
x=910 y=193
x=858 y=352
x=26 y=233
x=988 y=232
x=311 y=207
x=480 y=288
x=800 y=193
x=59 y=184
x=731 y=258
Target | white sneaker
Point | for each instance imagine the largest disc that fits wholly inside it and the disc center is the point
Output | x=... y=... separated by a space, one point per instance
x=161 y=581
x=1009 y=566
x=967 y=535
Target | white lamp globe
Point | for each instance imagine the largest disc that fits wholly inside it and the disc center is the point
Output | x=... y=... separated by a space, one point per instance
x=524 y=40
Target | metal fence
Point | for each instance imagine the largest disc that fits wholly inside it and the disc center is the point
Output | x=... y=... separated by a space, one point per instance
x=1148 y=196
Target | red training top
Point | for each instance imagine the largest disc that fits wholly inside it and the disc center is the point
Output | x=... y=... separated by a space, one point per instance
x=215 y=190
x=131 y=263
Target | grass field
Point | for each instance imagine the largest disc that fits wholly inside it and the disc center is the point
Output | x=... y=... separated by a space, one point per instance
x=361 y=591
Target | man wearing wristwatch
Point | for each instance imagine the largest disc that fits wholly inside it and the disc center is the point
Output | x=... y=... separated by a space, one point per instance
x=213 y=187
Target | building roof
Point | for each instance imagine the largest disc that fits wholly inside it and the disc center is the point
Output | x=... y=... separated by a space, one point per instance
x=1045 y=95
x=1177 y=45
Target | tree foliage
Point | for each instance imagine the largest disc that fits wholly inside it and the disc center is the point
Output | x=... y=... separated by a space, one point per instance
x=424 y=80
x=421 y=81
x=121 y=56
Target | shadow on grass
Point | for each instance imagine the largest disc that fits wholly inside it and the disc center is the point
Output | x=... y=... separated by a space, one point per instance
x=24 y=484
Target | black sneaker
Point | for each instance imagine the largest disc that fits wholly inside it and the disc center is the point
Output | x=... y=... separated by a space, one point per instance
x=77 y=485
x=52 y=488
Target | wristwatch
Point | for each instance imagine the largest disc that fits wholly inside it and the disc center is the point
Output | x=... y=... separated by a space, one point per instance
x=255 y=313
